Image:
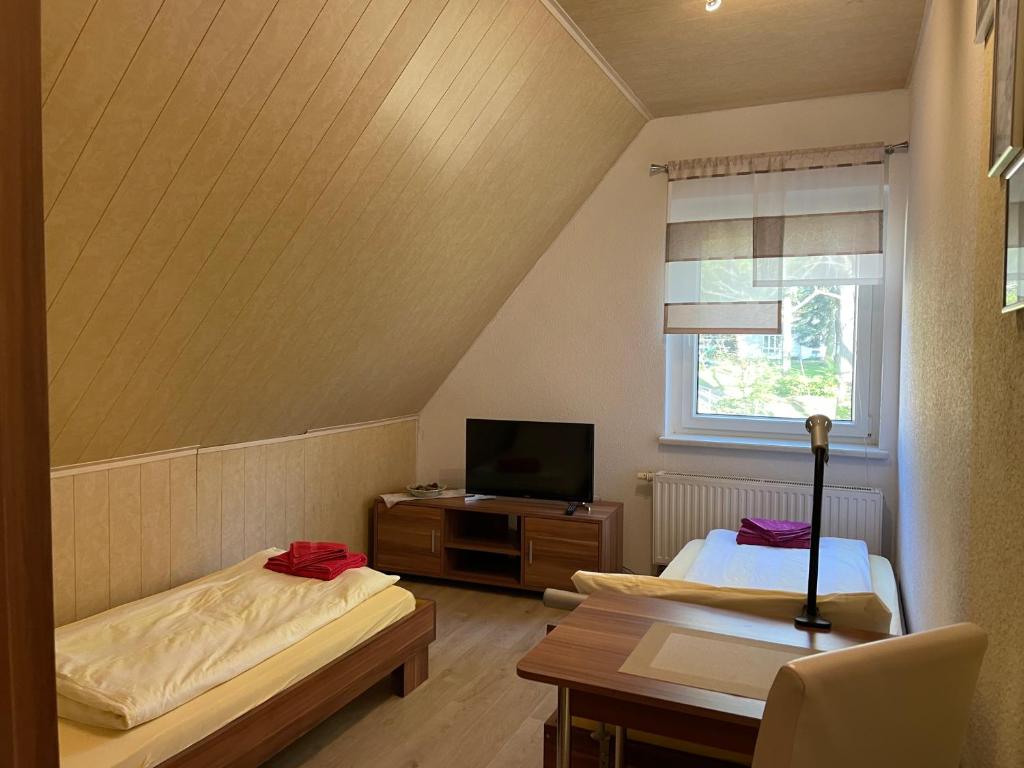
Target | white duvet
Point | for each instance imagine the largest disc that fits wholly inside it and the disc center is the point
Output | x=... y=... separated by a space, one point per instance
x=844 y=566
x=135 y=662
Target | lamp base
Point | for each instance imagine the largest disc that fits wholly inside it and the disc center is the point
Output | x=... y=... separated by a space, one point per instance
x=812 y=621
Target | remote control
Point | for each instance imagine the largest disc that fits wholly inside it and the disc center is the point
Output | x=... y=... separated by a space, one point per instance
x=570 y=508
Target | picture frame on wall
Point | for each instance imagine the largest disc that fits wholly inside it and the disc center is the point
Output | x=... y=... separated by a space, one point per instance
x=1013 y=265
x=1007 y=127
x=986 y=11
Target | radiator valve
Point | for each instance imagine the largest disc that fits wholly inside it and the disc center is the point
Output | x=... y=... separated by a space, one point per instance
x=648 y=476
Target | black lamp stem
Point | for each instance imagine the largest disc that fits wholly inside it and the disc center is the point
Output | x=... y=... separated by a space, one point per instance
x=810 y=618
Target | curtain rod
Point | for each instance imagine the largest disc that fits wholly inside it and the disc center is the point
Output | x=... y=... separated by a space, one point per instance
x=890 y=149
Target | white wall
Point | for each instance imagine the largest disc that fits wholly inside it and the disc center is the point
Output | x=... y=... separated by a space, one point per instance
x=961 y=544
x=581 y=338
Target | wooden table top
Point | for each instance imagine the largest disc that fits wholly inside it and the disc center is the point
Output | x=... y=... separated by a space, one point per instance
x=584 y=652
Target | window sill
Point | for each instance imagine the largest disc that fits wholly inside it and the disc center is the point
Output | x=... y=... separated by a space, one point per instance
x=776 y=445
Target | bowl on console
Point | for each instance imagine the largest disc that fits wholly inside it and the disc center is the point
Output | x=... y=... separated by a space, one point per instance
x=428 y=491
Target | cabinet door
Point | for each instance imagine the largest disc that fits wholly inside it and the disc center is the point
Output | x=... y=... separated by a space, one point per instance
x=556 y=549
x=409 y=540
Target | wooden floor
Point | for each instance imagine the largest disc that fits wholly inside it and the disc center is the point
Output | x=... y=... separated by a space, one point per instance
x=473 y=712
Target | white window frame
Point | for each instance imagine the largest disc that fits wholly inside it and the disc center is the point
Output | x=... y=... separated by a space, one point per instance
x=681 y=387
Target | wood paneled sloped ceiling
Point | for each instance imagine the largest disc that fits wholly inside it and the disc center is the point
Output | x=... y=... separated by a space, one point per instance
x=264 y=216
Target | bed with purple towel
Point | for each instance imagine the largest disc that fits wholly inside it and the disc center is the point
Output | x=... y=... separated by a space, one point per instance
x=722 y=560
x=762 y=569
x=788 y=534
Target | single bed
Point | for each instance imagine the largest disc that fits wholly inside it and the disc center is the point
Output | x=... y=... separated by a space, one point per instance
x=883 y=580
x=248 y=718
x=884 y=615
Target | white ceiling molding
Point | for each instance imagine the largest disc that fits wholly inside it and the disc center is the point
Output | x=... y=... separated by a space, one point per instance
x=570 y=26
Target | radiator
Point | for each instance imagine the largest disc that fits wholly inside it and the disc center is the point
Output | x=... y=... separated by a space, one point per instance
x=687 y=507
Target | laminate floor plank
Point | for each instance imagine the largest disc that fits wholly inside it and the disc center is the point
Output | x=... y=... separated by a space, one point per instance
x=473 y=712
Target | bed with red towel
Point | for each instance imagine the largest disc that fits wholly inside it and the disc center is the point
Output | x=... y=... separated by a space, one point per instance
x=282 y=639
x=324 y=560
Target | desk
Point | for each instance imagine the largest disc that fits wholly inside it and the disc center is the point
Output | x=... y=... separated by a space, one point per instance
x=582 y=656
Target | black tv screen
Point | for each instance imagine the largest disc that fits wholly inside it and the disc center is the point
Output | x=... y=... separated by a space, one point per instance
x=530 y=459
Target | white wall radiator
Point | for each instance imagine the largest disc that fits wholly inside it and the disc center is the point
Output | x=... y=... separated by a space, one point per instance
x=687 y=507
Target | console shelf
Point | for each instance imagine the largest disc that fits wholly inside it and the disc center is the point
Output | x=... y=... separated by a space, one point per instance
x=500 y=542
x=483 y=567
x=508 y=547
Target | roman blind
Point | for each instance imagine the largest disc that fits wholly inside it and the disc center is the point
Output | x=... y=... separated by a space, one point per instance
x=742 y=229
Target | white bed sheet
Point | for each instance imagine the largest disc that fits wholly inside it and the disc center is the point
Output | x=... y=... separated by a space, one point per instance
x=140 y=660
x=883 y=580
x=149 y=744
x=724 y=563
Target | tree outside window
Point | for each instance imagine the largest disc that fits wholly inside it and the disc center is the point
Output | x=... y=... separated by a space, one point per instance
x=808 y=368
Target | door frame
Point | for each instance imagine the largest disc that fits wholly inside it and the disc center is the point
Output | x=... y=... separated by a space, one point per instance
x=28 y=706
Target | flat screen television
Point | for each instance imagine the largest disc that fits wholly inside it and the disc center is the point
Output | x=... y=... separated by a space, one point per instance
x=530 y=459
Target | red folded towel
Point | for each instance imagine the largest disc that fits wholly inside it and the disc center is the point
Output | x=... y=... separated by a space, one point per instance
x=325 y=570
x=789 y=534
x=302 y=553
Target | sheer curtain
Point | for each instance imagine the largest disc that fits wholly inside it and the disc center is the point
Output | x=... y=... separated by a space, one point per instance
x=741 y=229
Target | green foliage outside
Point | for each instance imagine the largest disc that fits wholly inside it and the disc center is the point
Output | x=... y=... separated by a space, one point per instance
x=1014 y=270
x=762 y=388
x=739 y=378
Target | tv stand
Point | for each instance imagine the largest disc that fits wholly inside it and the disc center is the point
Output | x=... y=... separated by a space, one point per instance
x=515 y=543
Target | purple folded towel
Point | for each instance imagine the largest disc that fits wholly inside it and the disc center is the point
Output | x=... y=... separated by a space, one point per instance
x=790 y=534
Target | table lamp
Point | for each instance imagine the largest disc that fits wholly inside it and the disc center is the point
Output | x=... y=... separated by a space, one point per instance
x=819 y=426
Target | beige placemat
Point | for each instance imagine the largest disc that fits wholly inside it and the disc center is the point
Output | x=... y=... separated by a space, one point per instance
x=711 y=661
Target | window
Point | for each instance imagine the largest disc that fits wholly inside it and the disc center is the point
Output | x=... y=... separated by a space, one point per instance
x=808 y=368
x=774 y=293
x=771 y=346
x=824 y=361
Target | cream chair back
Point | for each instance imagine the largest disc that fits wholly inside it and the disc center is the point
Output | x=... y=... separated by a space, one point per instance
x=901 y=702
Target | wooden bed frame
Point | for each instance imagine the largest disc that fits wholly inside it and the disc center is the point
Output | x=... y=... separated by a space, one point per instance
x=399 y=650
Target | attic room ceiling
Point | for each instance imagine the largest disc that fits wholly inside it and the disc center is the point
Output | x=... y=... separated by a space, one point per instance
x=678 y=58
x=266 y=216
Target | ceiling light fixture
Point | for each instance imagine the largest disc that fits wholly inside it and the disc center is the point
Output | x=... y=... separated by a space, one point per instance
x=712 y=5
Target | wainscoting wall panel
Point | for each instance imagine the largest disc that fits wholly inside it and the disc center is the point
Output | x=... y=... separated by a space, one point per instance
x=126 y=557
x=127 y=529
x=156 y=526
x=62 y=521
x=259 y=210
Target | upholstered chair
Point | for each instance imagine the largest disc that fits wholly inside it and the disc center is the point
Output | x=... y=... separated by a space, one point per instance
x=894 y=703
